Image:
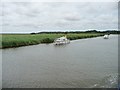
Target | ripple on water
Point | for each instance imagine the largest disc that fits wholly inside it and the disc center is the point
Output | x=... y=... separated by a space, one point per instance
x=109 y=81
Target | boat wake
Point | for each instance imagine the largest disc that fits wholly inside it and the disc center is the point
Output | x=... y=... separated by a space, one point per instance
x=109 y=81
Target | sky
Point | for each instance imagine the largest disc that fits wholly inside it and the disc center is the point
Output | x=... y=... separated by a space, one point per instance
x=58 y=16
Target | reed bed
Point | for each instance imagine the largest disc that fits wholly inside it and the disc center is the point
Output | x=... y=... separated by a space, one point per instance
x=17 y=40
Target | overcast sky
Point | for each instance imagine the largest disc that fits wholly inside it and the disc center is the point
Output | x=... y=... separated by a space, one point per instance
x=59 y=16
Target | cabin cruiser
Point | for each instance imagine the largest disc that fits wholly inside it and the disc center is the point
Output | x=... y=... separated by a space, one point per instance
x=106 y=36
x=61 y=40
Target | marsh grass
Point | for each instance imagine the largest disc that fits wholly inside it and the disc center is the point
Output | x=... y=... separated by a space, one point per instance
x=17 y=40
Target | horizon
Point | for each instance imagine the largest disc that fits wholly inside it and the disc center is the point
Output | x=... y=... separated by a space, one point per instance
x=58 y=31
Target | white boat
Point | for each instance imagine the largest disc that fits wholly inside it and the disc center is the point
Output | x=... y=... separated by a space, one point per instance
x=61 y=40
x=106 y=36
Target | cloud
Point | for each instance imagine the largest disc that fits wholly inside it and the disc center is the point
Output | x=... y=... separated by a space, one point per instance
x=71 y=17
x=37 y=16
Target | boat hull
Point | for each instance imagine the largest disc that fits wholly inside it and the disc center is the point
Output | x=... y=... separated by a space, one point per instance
x=106 y=37
x=62 y=42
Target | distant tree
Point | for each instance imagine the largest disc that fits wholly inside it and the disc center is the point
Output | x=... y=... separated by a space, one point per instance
x=33 y=33
x=66 y=32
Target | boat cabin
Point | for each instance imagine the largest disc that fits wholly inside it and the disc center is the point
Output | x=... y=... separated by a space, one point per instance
x=61 y=40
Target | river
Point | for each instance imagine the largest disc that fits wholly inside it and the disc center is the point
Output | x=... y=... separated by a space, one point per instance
x=84 y=63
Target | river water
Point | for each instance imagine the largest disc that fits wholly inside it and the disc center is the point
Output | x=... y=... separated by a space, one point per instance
x=84 y=63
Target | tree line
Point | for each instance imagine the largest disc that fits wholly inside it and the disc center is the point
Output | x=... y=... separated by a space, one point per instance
x=90 y=31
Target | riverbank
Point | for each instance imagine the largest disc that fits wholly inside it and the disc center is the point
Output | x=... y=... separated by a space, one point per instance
x=17 y=40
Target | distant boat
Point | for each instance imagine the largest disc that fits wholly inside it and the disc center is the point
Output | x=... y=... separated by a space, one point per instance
x=61 y=41
x=106 y=36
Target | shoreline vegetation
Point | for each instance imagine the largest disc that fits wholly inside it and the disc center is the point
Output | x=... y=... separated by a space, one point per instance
x=17 y=40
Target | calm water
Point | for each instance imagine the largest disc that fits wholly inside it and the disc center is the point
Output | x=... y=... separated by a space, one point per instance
x=82 y=63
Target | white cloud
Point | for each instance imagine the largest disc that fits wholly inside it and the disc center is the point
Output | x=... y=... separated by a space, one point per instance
x=37 y=16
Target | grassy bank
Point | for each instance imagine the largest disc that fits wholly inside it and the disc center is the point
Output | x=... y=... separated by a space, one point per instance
x=17 y=40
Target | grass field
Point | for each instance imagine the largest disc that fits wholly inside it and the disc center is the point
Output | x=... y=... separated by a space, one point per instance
x=17 y=40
